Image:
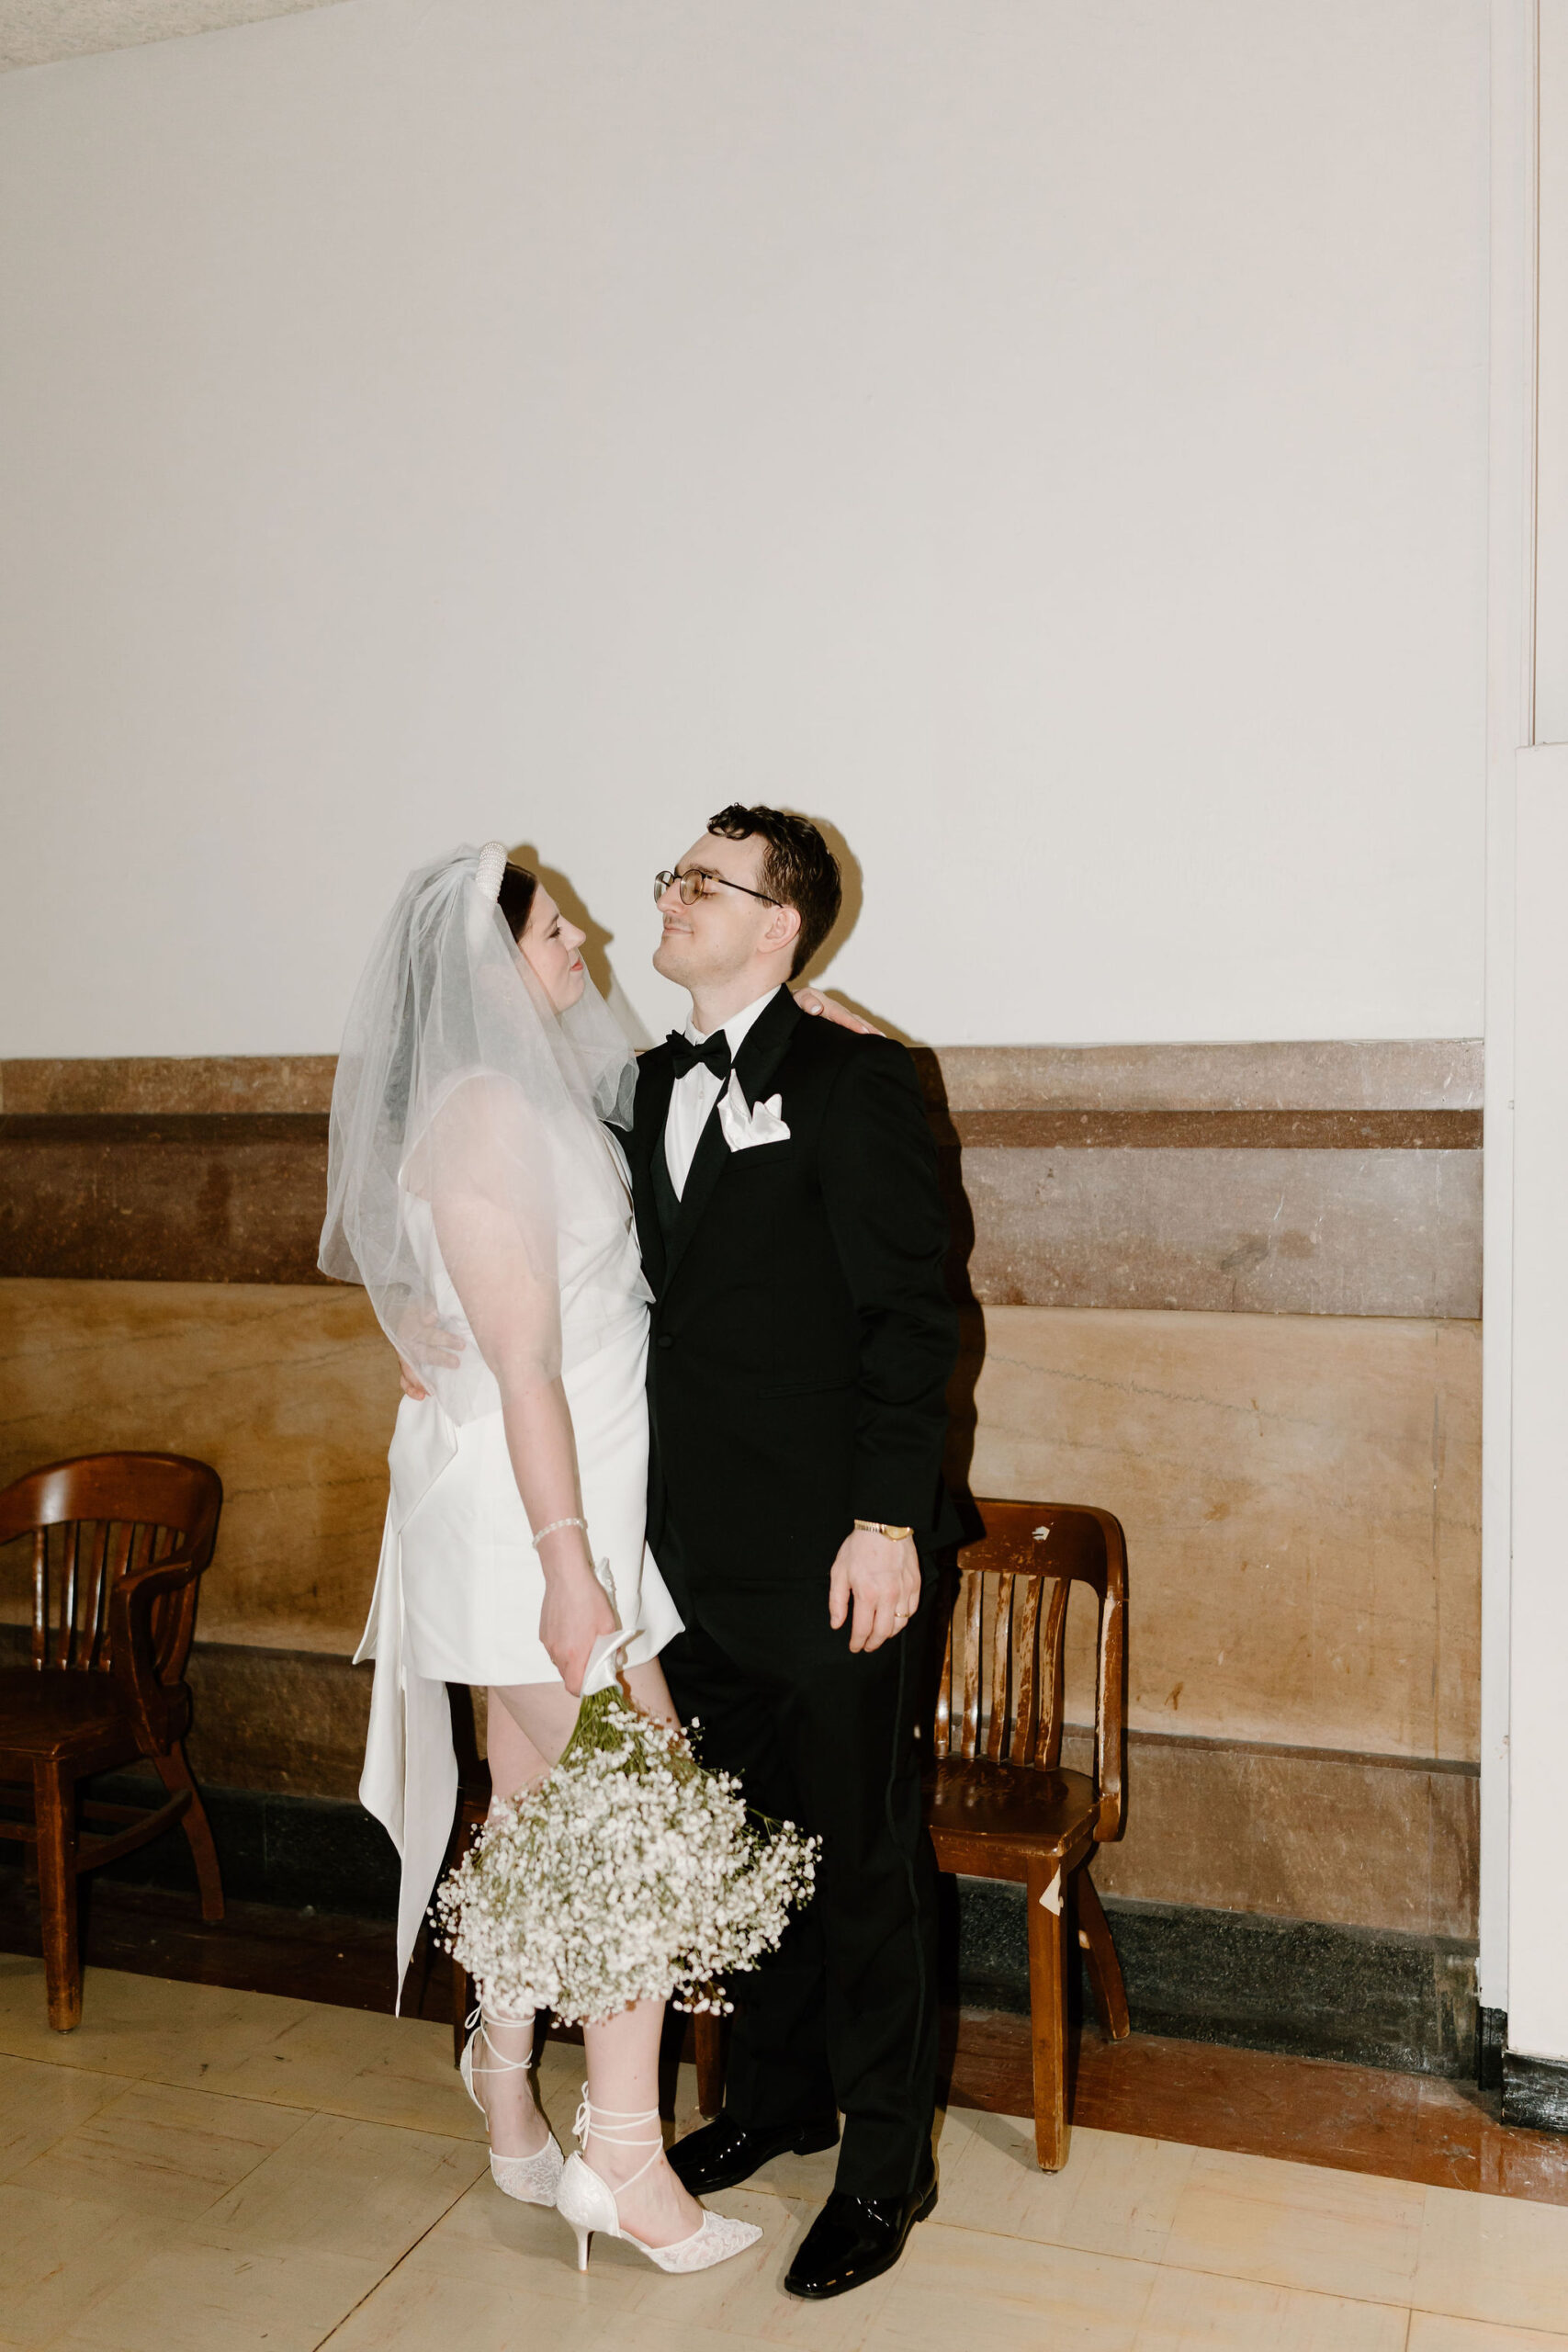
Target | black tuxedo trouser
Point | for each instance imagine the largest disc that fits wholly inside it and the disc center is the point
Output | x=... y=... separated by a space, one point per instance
x=844 y=2013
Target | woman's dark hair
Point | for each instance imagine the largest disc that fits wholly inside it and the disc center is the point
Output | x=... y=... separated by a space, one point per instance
x=799 y=870
x=516 y=898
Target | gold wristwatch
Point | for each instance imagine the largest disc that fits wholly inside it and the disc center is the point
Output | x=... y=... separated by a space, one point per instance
x=880 y=1527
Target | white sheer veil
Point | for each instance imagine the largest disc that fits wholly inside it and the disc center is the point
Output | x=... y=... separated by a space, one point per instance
x=466 y=1143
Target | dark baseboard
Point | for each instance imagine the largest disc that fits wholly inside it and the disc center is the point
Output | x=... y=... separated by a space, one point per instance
x=1492 y=2035
x=1366 y=1996
x=1535 y=2092
x=1370 y=1998
x=302 y=1853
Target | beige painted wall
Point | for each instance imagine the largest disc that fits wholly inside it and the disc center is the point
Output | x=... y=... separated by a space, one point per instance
x=1299 y=1493
x=1049 y=440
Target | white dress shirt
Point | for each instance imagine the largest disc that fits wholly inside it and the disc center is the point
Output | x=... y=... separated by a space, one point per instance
x=691 y=1098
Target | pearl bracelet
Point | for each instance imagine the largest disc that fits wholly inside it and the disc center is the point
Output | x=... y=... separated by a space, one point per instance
x=553 y=1524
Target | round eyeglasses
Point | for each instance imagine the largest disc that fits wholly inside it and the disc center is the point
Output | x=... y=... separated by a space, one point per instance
x=696 y=882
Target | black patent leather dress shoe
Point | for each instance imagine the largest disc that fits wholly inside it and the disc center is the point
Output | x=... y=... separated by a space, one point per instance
x=855 y=2239
x=723 y=2152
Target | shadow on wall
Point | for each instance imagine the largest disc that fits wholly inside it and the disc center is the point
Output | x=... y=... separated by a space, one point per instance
x=849 y=915
x=961 y=1215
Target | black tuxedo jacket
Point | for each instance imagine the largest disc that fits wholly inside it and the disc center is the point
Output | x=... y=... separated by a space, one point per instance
x=802 y=1334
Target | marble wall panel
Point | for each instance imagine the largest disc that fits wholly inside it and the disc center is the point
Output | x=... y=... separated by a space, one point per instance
x=1389 y=1073
x=1270 y=1232
x=163 y=1197
x=1400 y=1073
x=1238 y=1211
x=1271 y=1178
x=190 y=1085
x=1302 y=1833
x=289 y=1392
x=1301 y=1497
x=1300 y=1494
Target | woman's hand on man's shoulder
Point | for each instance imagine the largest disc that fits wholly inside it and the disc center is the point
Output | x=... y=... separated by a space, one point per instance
x=826 y=1008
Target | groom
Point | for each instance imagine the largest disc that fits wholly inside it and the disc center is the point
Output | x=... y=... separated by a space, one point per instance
x=792 y=1231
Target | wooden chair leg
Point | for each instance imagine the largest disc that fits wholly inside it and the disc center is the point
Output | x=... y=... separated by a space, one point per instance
x=1048 y=1950
x=1099 y=1953
x=707 y=2036
x=174 y=1773
x=54 y=1804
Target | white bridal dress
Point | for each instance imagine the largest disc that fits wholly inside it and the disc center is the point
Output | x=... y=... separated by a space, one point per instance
x=459 y=1589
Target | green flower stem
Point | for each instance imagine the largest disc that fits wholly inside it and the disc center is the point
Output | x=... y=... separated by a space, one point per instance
x=607 y=1720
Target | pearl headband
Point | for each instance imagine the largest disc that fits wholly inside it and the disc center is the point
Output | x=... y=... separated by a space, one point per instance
x=487 y=888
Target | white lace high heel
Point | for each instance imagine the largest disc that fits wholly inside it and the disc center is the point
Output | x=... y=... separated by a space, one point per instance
x=532 y=2180
x=588 y=2202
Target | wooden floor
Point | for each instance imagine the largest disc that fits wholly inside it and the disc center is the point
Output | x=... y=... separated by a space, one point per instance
x=1401 y=2127
x=199 y=2169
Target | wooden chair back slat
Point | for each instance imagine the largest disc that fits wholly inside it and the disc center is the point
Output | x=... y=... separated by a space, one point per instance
x=1001 y=1659
x=87 y=1621
x=1053 y=1676
x=67 y=1627
x=1026 y=1671
x=971 y=1738
x=1026 y=1565
x=40 y=1595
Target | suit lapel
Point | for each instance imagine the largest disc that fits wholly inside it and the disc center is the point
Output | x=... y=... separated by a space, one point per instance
x=764 y=1048
x=655 y=1078
x=761 y=1051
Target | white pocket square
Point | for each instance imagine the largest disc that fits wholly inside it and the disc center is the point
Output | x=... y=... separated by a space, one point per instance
x=742 y=1127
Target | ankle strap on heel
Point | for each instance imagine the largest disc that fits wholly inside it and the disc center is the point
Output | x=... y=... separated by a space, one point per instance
x=616 y=2127
x=484 y=2018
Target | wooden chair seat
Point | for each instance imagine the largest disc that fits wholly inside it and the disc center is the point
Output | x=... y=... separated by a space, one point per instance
x=53 y=1713
x=1021 y=1814
x=120 y=1542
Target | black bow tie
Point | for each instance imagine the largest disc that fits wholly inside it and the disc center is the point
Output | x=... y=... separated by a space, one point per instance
x=713 y=1054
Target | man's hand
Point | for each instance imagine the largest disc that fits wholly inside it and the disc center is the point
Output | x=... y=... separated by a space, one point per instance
x=576 y=1612
x=433 y=1343
x=813 y=1000
x=883 y=1580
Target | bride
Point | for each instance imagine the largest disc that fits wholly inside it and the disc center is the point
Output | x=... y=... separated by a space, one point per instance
x=477 y=1189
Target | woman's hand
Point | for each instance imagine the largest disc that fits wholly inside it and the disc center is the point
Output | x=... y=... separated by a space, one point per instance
x=577 y=1611
x=813 y=1000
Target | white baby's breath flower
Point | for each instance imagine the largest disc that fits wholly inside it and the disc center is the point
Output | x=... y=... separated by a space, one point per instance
x=630 y=1873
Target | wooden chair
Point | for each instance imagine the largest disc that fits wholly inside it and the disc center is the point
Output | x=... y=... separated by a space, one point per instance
x=1003 y=1807
x=127 y=1537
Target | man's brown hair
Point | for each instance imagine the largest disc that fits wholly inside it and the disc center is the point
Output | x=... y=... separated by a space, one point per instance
x=799 y=869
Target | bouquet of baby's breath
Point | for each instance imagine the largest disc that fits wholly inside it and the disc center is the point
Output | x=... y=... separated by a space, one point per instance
x=630 y=1873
